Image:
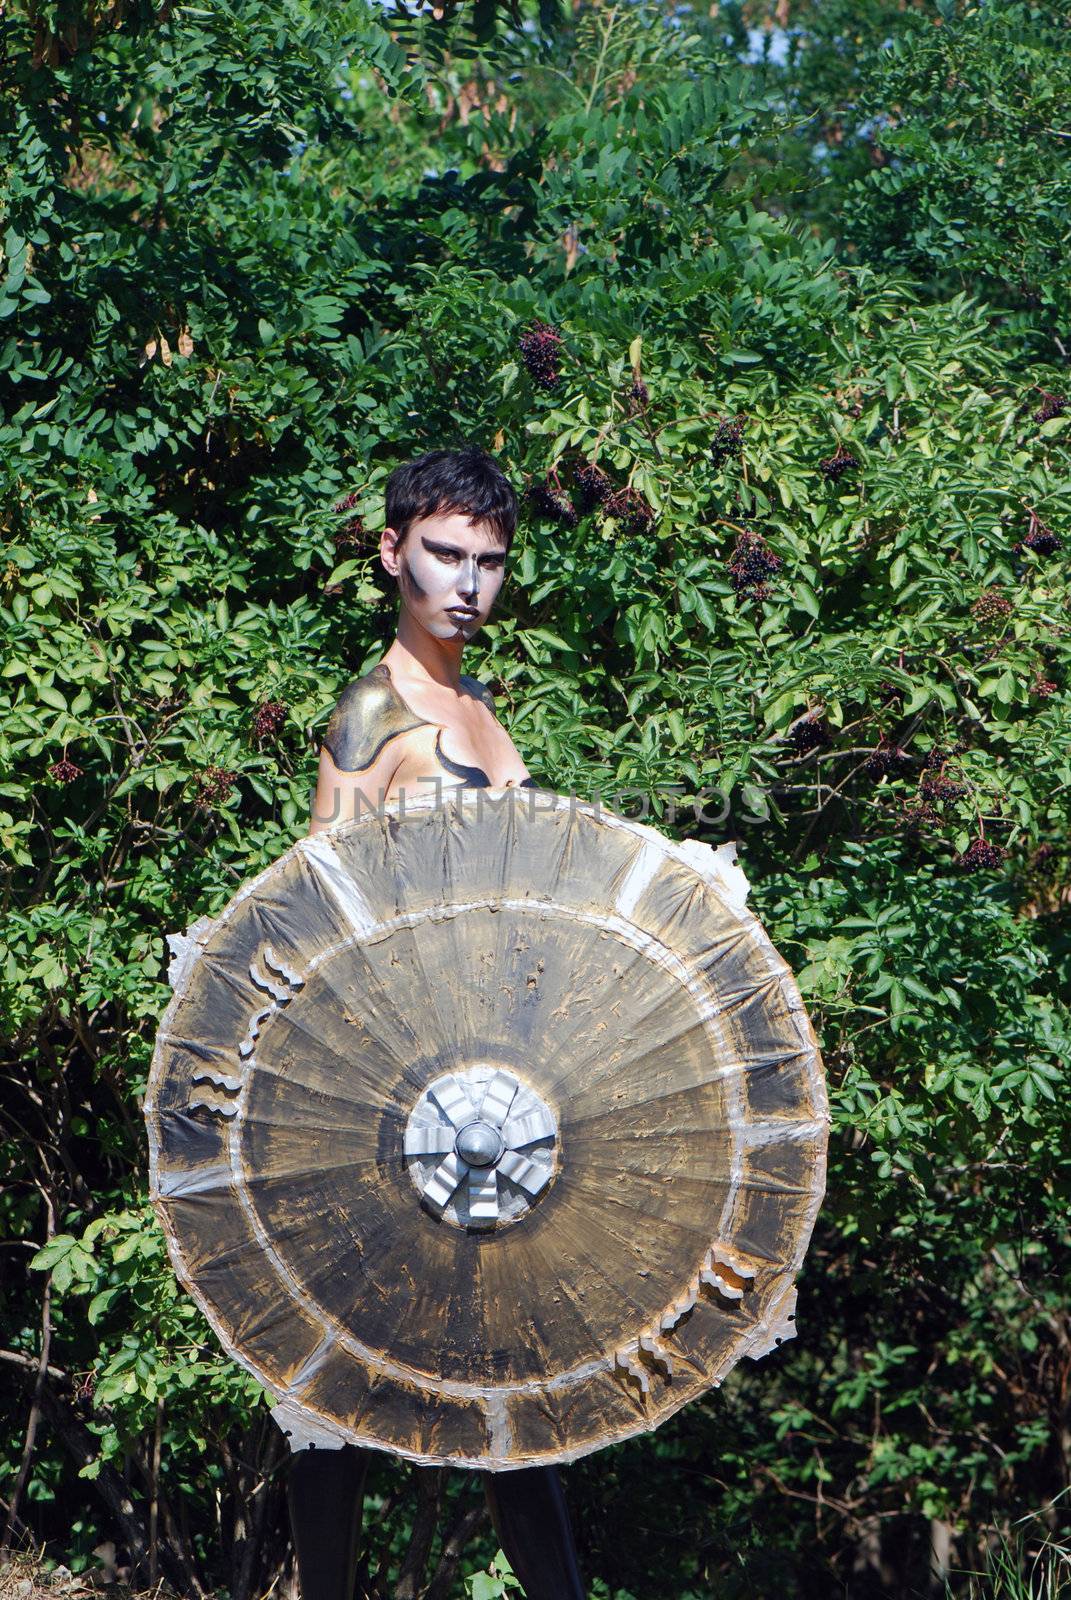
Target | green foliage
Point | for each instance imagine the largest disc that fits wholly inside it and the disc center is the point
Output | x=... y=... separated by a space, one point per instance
x=497 y=1583
x=964 y=120
x=254 y=256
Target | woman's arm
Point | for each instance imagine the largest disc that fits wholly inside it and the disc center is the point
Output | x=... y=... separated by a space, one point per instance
x=341 y=794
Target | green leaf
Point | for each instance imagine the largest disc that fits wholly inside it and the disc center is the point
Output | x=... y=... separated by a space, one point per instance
x=806 y=598
x=1005 y=688
x=485 y=1587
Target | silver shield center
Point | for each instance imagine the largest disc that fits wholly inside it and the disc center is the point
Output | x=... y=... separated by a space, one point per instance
x=481 y=1147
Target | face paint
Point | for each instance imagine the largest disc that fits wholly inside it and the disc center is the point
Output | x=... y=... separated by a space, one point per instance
x=449 y=574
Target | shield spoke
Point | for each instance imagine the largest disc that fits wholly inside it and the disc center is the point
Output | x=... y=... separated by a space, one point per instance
x=436 y=1140
x=455 y=1101
x=525 y=1130
x=524 y=1173
x=483 y=1196
x=497 y=1098
x=444 y=1180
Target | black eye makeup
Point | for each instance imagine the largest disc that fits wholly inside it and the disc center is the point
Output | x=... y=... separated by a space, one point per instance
x=446 y=552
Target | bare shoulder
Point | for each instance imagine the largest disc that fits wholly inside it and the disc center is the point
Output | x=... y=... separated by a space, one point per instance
x=369 y=712
x=480 y=691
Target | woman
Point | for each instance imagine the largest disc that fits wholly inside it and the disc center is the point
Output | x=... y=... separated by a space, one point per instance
x=416 y=722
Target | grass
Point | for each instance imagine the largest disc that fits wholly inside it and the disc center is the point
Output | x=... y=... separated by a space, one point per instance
x=1028 y=1566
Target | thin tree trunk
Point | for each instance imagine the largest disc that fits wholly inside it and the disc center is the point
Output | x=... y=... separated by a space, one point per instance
x=441 y=1586
x=38 y=1389
x=940 y=1554
x=154 y=1499
x=263 y=1497
x=415 y=1562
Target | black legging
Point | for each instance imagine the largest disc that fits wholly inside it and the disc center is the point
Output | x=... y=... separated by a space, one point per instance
x=325 y=1493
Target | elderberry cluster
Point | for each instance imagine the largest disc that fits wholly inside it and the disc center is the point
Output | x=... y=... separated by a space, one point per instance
x=916 y=816
x=727 y=441
x=938 y=755
x=1052 y=405
x=639 y=395
x=539 y=346
x=213 y=787
x=935 y=787
x=990 y=607
x=810 y=733
x=1041 y=540
x=835 y=466
x=64 y=771
x=981 y=854
x=549 y=502
x=887 y=761
x=268 y=718
x=751 y=564
x=593 y=485
x=630 y=509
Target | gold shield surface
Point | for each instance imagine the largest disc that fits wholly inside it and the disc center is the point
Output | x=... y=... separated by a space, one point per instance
x=488 y=1132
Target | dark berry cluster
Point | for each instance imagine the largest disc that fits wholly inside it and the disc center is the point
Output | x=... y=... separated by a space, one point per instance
x=639 y=395
x=1052 y=405
x=727 y=441
x=991 y=606
x=630 y=509
x=549 y=502
x=64 y=771
x=213 y=786
x=937 y=786
x=593 y=485
x=887 y=760
x=917 y=815
x=539 y=346
x=268 y=718
x=980 y=855
x=836 y=465
x=938 y=755
x=810 y=733
x=751 y=564
x=1040 y=539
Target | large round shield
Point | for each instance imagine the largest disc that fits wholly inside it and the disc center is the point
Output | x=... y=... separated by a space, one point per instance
x=488 y=1132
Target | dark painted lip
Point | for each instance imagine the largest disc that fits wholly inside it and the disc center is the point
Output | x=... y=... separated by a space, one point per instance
x=459 y=611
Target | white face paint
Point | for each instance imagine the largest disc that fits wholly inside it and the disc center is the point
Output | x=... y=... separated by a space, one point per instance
x=449 y=571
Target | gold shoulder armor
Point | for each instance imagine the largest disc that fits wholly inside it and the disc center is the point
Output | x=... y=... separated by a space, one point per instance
x=370 y=711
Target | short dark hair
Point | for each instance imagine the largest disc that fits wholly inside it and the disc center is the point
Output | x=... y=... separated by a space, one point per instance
x=468 y=481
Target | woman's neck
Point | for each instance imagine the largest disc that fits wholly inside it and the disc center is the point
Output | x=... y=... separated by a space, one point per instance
x=419 y=656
